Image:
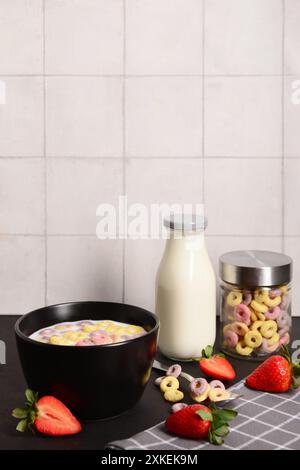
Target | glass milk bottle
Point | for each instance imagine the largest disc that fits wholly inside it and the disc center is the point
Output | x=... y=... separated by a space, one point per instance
x=186 y=290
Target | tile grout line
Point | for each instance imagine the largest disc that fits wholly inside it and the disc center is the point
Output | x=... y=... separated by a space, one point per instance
x=143 y=157
x=45 y=159
x=203 y=104
x=124 y=141
x=122 y=75
x=283 y=129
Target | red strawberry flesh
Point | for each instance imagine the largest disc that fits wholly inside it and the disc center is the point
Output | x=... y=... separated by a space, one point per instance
x=273 y=375
x=54 y=418
x=217 y=367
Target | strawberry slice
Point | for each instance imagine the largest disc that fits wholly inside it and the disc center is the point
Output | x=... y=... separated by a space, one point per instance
x=201 y=422
x=276 y=374
x=216 y=365
x=48 y=415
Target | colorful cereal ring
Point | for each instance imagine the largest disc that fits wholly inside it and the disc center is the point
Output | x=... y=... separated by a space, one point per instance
x=242 y=314
x=234 y=298
x=253 y=339
x=198 y=386
x=242 y=349
x=273 y=313
x=178 y=407
x=231 y=338
x=285 y=339
x=282 y=319
x=258 y=307
x=239 y=328
x=268 y=328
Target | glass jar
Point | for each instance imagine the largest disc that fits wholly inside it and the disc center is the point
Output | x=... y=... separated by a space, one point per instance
x=255 y=303
x=185 y=291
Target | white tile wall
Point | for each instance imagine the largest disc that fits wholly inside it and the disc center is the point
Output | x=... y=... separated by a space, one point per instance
x=21 y=117
x=21 y=37
x=81 y=268
x=83 y=116
x=22 y=273
x=84 y=36
x=80 y=185
x=164 y=116
x=21 y=196
x=243 y=116
x=163 y=100
x=243 y=37
x=164 y=37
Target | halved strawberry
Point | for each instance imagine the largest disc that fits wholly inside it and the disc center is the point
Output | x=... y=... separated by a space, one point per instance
x=201 y=422
x=216 y=365
x=48 y=415
x=276 y=374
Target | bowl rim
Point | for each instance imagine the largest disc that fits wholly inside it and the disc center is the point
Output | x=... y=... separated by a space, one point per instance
x=25 y=338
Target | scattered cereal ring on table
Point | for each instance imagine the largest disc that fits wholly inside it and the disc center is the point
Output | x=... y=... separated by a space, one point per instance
x=274 y=339
x=253 y=339
x=201 y=398
x=168 y=383
x=285 y=339
x=256 y=325
x=218 y=394
x=198 y=386
x=242 y=349
x=231 y=338
x=216 y=384
x=234 y=298
x=173 y=395
x=178 y=407
x=242 y=314
x=240 y=328
x=268 y=328
x=258 y=307
x=273 y=313
x=271 y=302
x=174 y=370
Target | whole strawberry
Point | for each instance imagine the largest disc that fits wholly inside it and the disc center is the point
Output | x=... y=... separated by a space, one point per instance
x=48 y=415
x=277 y=374
x=201 y=422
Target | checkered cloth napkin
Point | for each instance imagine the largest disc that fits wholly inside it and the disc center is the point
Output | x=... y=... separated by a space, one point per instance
x=265 y=421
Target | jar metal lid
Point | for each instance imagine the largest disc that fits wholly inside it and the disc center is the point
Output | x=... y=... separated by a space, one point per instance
x=186 y=222
x=255 y=268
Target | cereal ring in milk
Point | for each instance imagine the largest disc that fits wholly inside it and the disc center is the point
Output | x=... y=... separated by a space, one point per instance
x=253 y=339
x=258 y=307
x=242 y=314
x=234 y=298
x=169 y=383
x=240 y=328
x=242 y=349
x=273 y=313
x=268 y=328
x=231 y=338
x=173 y=395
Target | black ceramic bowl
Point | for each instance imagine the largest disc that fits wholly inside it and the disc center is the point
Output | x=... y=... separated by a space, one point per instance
x=95 y=382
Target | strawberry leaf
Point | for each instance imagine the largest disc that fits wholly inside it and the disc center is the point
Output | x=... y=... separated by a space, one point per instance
x=22 y=425
x=30 y=396
x=205 y=415
x=227 y=415
x=20 y=413
x=214 y=439
x=222 y=431
x=208 y=351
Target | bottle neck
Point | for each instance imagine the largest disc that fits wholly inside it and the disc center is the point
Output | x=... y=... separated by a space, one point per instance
x=188 y=240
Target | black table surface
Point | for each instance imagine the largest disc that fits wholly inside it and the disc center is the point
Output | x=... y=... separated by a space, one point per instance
x=151 y=409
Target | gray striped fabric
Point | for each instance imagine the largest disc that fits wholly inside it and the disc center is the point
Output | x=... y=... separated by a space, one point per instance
x=265 y=421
